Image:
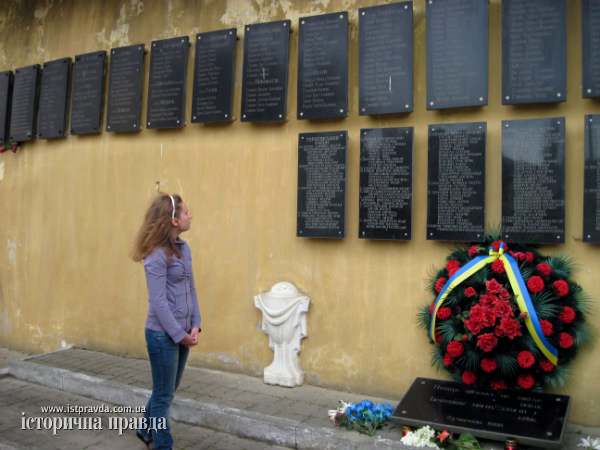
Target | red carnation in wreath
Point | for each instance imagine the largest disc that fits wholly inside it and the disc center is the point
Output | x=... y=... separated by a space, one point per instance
x=452 y=266
x=502 y=308
x=498 y=266
x=561 y=287
x=519 y=256
x=493 y=287
x=546 y=365
x=565 y=340
x=509 y=328
x=473 y=250
x=544 y=268
x=567 y=315
x=525 y=359
x=484 y=338
x=470 y=292
x=487 y=342
x=444 y=313
x=455 y=349
x=535 y=284
x=526 y=381
x=448 y=360
x=488 y=365
x=469 y=377
x=439 y=284
x=547 y=327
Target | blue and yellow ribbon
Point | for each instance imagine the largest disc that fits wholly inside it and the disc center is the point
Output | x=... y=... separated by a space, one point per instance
x=519 y=289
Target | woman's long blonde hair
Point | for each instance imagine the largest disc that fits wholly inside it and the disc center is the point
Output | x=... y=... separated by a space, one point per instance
x=156 y=230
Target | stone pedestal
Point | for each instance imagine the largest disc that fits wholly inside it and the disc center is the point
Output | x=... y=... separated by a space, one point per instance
x=284 y=311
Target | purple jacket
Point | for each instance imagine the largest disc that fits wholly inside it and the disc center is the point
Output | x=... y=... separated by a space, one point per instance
x=172 y=301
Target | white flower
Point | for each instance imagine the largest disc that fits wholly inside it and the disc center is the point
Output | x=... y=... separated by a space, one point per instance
x=590 y=443
x=333 y=413
x=343 y=406
x=423 y=437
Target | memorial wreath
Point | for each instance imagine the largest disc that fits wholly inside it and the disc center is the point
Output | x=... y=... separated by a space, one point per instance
x=505 y=316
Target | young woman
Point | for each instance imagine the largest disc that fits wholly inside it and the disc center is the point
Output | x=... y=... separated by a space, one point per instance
x=173 y=321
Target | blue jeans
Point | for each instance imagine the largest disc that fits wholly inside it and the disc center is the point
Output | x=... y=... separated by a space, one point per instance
x=167 y=360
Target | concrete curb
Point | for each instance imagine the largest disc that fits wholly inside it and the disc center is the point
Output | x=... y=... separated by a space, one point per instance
x=245 y=424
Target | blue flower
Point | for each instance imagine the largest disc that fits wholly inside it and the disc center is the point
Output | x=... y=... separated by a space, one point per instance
x=366 y=416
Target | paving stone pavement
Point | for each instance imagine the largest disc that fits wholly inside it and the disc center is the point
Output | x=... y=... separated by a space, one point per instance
x=288 y=417
x=305 y=404
x=18 y=397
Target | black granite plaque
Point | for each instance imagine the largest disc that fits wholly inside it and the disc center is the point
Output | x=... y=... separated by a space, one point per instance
x=591 y=195
x=385 y=194
x=457 y=53
x=532 y=418
x=265 y=72
x=54 y=94
x=214 y=76
x=24 y=104
x=125 y=83
x=534 y=51
x=533 y=180
x=6 y=84
x=386 y=59
x=323 y=66
x=87 y=97
x=590 y=38
x=321 y=184
x=166 y=93
x=456 y=182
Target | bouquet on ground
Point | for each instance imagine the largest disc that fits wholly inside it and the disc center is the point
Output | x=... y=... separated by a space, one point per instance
x=427 y=437
x=590 y=443
x=365 y=417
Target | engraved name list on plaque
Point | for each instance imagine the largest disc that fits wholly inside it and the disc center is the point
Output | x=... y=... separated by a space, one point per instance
x=323 y=66
x=534 y=61
x=457 y=53
x=321 y=184
x=590 y=39
x=385 y=194
x=533 y=180
x=23 y=111
x=456 y=182
x=591 y=195
x=535 y=419
x=265 y=71
x=6 y=84
x=386 y=59
x=54 y=94
x=87 y=97
x=126 y=78
x=167 y=80
x=214 y=76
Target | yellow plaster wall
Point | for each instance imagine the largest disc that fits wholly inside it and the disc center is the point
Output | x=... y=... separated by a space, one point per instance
x=70 y=208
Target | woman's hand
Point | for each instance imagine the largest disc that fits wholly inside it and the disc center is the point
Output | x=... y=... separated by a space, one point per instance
x=194 y=334
x=188 y=340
